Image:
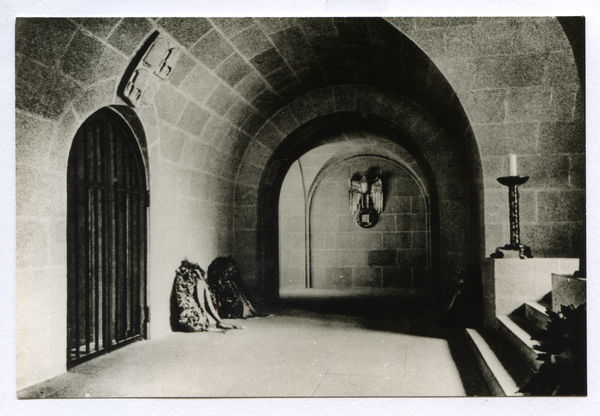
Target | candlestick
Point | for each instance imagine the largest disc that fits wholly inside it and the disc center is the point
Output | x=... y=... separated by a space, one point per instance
x=512 y=165
x=513 y=182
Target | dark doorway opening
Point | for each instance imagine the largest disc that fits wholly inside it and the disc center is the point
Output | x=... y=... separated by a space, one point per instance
x=106 y=238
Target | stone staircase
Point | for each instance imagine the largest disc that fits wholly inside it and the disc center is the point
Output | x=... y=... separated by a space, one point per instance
x=506 y=356
x=504 y=349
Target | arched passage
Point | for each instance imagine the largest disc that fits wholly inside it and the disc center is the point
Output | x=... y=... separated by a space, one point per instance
x=106 y=238
x=447 y=152
x=450 y=241
x=321 y=244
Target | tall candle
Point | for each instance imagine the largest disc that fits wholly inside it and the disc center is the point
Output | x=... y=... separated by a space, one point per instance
x=513 y=165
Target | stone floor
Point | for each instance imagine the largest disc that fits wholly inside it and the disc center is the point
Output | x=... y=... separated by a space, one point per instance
x=309 y=347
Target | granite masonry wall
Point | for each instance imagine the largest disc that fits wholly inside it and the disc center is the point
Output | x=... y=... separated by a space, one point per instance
x=517 y=80
x=292 y=230
x=393 y=253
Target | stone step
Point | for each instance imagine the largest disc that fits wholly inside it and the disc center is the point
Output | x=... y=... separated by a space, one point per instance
x=517 y=332
x=502 y=372
x=535 y=313
x=546 y=301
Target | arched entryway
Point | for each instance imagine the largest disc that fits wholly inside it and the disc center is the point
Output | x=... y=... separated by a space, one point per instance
x=106 y=238
x=405 y=94
x=321 y=244
x=310 y=136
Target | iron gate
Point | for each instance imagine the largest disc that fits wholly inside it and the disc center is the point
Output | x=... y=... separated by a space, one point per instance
x=106 y=238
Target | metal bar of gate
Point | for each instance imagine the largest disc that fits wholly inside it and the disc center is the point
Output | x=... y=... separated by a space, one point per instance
x=96 y=161
x=131 y=241
x=79 y=159
x=86 y=241
x=134 y=252
x=118 y=239
x=144 y=255
x=111 y=243
x=126 y=242
x=105 y=238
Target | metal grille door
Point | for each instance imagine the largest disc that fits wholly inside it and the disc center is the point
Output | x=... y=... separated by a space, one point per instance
x=106 y=238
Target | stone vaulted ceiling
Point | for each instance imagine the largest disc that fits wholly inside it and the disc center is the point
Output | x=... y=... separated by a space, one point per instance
x=271 y=61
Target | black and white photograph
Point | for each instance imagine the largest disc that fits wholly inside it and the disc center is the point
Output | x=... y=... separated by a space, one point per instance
x=308 y=207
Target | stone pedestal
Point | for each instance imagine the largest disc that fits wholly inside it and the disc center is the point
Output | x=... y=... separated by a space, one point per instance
x=567 y=290
x=510 y=282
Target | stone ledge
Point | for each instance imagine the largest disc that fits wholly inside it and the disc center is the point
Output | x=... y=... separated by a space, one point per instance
x=509 y=283
x=567 y=290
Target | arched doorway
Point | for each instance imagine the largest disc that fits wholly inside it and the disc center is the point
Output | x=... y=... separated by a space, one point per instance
x=311 y=136
x=106 y=238
x=321 y=244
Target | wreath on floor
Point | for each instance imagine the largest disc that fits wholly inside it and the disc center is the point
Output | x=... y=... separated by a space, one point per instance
x=563 y=354
x=186 y=314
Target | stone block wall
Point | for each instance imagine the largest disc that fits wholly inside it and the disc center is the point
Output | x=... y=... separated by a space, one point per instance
x=517 y=80
x=52 y=100
x=393 y=253
x=508 y=283
x=191 y=136
x=292 y=231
